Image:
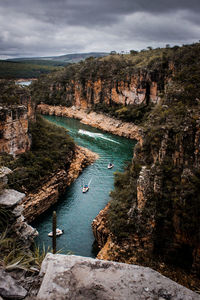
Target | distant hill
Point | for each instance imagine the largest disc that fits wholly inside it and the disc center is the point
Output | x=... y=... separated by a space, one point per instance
x=33 y=67
x=68 y=58
x=23 y=69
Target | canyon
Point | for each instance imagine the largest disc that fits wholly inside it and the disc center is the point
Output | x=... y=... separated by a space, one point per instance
x=97 y=120
x=14 y=130
x=152 y=217
x=37 y=203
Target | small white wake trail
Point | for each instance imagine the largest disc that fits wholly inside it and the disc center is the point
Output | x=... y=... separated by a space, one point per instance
x=96 y=135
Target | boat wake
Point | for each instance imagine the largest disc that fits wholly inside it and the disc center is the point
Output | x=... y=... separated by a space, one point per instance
x=96 y=135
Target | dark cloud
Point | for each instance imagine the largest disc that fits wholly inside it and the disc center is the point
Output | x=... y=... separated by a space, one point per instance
x=47 y=27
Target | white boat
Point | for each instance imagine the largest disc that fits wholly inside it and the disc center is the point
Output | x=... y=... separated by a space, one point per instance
x=58 y=232
x=110 y=166
x=85 y=188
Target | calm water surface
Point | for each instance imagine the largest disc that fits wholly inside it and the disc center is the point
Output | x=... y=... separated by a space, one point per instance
x=75 y=210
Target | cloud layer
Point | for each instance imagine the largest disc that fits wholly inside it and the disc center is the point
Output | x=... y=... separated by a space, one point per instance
x=49 y=27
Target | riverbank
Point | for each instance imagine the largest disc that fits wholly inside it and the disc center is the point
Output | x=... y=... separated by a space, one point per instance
x=37 y=203
x=94 y=119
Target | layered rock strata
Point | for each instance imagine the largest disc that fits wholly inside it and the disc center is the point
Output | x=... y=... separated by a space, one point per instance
x=164 y=210
x=128 y=130
x=100 y=227
x=89 y=85
x=37 y=203
x=14 y=137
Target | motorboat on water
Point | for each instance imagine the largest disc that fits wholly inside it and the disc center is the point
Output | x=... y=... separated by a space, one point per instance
x=85 y=188
x=58 y=232
x=110 y=166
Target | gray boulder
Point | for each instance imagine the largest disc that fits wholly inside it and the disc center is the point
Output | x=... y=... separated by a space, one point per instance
x=9 y=288
x=79 y=278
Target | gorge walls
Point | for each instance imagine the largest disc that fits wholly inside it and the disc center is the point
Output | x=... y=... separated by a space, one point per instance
x=155 y=207
x=36 y=203
x=14 y=138
x=98 y=120
x=16 y=110
x=104 y=82
x=136 y=90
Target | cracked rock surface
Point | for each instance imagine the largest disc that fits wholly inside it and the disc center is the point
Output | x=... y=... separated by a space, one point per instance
x=73 y=277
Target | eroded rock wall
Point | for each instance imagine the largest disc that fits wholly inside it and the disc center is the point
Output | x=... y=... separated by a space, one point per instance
x=11 y=203
x=164 y=214
x=136 y=89
x=14 y=138
x=37 y=203
x=94 y=119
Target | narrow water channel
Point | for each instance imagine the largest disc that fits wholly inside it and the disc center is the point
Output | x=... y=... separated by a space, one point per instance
x=75 y=210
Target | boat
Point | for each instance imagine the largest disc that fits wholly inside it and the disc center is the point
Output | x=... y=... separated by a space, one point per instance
x=110 y=166
x=85 y=188
x=58 y=232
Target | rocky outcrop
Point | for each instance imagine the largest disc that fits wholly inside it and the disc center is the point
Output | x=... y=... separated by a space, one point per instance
x=136 y=90
x=100 y=227
x=11 y=204
x=9 y=288
x=74 y=277
x=108 y=124
x=14 y=138
x=107 y=83
x=37 y=203
x=161 y=217
x=4 y=171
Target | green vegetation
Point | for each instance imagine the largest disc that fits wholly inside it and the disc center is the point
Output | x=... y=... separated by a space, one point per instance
x=130 y=113
x=13 y=254
x=39 y=62
x=17 y=70
x=51 y=149
x=169 y=132
x=34 y=67
x=12 y=93
x=156 y=65
x=122 y=199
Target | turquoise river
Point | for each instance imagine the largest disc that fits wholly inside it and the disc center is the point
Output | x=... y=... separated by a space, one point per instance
x=76 y=210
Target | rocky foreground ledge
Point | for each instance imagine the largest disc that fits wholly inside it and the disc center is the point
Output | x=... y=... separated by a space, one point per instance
x=94 y=119
x=78 y=278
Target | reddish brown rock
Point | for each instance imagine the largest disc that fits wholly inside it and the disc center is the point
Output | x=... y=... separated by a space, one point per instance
x=14 y=138
x=37 y=203
x=94 y=119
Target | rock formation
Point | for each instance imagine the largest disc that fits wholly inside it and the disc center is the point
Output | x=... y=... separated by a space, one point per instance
x=94 y=119
x=74 y=277
x=14 y=138
x=11 y=202
x=37 y=203
x=163 y=183
x=104 y=82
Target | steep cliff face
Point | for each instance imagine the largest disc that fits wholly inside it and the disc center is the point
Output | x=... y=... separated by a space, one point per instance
x=16 y=109
x=153 y=217
x=136 y=90
x=37 y=203
x=94 y=119
x=14 y=138
x=155 y=207
x=110 y=82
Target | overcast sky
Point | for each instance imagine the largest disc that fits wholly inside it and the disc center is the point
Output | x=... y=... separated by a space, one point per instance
x=56 y=27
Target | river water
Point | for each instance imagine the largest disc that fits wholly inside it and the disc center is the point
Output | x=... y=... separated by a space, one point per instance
x=76 y=210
